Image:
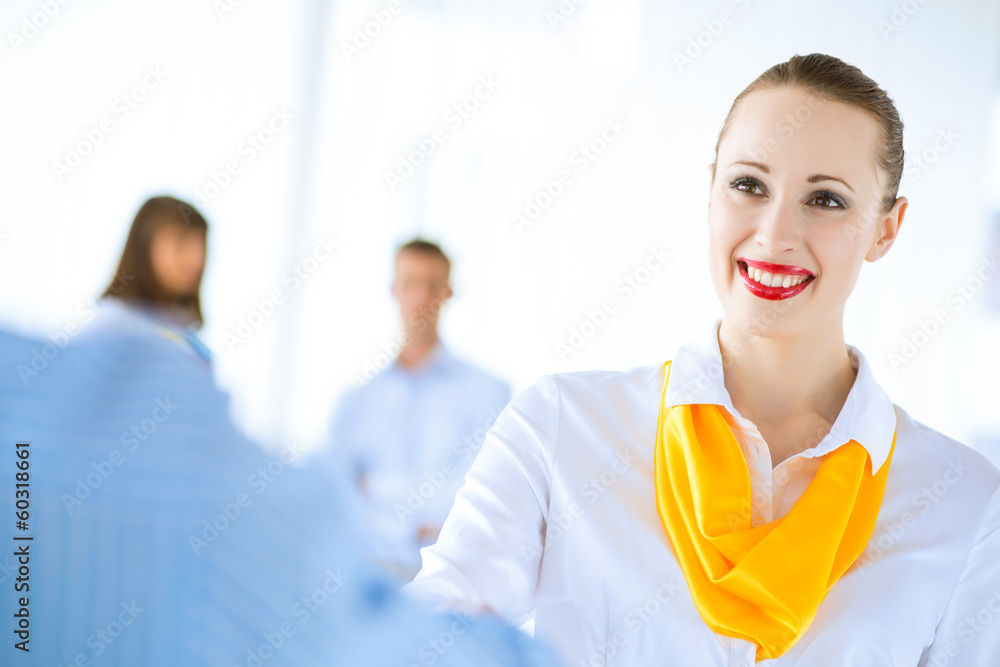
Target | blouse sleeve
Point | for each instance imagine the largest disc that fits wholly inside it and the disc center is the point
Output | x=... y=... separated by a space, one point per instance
x=969 y=632
x=489 y=550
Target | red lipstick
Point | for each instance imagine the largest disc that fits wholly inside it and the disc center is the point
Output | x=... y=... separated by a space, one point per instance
x=772 y=293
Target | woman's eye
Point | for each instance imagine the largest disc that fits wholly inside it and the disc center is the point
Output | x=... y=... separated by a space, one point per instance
x=828 y=200
x=750 y=186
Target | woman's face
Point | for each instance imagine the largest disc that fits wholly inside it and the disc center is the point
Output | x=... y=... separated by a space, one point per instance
x=796 y=185
x=178 y=256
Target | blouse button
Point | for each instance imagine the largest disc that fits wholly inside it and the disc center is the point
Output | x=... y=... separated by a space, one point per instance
x=757 y=521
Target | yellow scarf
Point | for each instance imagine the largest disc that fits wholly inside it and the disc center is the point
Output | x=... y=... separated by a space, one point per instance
x=762 y=583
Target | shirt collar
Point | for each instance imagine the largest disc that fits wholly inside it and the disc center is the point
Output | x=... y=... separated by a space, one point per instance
x=867 y=417
x=439 y=359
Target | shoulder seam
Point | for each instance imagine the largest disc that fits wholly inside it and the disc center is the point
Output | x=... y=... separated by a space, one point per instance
x=555 y=443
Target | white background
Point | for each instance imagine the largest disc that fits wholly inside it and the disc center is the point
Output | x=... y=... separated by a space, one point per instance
x=229 y=65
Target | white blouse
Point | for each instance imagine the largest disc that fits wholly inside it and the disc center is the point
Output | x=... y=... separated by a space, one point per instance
x=557 y=522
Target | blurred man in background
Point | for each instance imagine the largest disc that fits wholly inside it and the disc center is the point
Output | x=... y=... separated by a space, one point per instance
x=409 y=436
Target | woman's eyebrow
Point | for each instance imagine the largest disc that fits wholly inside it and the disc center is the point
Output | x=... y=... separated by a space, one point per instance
x=757 y=165
x=815 y=178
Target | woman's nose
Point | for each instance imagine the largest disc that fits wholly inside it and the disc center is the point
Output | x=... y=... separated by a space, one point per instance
x=778 y=228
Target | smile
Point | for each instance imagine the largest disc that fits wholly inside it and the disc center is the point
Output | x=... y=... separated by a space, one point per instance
x=773 y=281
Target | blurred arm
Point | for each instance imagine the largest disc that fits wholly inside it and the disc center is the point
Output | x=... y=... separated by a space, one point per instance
x=489 y=550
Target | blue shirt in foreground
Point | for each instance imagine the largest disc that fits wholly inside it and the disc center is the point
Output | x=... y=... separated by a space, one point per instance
x=161 y=536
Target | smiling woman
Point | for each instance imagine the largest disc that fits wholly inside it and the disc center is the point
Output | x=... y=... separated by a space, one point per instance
x=769 y=508
x=820 y=203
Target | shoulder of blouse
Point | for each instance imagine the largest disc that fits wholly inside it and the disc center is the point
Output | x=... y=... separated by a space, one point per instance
x=603 y=383
x=540 y=409
x=928 y=454
x=931 y=442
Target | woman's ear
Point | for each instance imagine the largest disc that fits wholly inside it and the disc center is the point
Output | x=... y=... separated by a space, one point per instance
x=888 y=230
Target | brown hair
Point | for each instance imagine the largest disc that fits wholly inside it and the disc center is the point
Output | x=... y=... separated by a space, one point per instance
x=426 y=248
x=134 y=280
x=833 y=79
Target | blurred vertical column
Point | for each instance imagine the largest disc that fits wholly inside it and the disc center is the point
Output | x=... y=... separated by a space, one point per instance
x=318 y=23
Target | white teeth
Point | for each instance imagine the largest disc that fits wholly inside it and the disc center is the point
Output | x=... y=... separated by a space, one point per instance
x=774 y=280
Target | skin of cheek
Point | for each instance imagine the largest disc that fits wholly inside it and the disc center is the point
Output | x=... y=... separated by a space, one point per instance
x=176 y=264
x=424 y=308
x=194 y=264
x=841 y=257
x=728 y=227
x=161 y=257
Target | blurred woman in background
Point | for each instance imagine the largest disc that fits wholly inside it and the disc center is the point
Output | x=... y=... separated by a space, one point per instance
x=159 y=274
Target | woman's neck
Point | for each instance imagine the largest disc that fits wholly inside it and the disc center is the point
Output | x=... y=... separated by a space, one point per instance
x=787 y=380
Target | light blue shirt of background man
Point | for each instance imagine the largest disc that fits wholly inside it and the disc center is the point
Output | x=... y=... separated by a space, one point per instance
x=410 y=434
